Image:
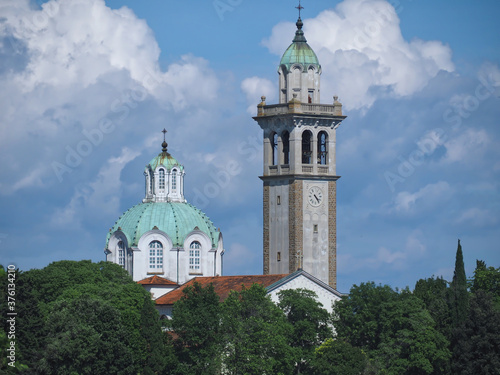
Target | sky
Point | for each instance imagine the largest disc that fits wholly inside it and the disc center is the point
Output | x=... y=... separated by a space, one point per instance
x=86 y=86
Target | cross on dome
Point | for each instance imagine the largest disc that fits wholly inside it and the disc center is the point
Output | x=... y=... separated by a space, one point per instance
x=300 y=7
x=164 y=144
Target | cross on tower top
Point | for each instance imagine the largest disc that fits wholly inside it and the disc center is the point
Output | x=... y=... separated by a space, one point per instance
x=300 y=7
x=164 y=144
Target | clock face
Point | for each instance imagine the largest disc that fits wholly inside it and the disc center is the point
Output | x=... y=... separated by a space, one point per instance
x=315 y=196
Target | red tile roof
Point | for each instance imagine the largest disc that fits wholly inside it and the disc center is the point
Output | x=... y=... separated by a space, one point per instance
x=156 y=280
x=222 y=285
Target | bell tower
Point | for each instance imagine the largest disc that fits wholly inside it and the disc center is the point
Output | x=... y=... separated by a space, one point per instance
x=299 y=175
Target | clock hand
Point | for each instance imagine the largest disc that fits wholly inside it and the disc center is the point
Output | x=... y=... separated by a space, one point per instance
x=317 y=199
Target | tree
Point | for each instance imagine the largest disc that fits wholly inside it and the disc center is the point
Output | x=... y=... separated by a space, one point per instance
x=358 y=316
x=410 y=343
x=196 y=322
x=487 y=279
x=337 y=357
x=434 y=293
x=309 y=321
x=255 y=334
x=67 y=284
x=393 y=328
x=85 y=336
x=155 y=355
x=459 y=296
x=477 y=350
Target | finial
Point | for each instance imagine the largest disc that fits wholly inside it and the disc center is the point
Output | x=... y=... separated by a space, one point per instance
x=299 y=34
x=299 y=21
x=300 y=7
x=164 y=144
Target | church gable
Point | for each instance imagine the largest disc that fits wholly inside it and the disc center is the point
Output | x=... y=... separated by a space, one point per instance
x=300 y=279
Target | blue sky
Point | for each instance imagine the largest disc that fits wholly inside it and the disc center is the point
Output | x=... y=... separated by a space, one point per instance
x=418 y=153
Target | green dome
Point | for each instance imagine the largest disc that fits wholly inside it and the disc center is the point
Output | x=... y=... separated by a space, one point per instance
x=176 y=219
x=299 y=52
x=165 y=159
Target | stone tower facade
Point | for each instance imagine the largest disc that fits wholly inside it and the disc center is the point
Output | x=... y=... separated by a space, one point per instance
x=299 y=173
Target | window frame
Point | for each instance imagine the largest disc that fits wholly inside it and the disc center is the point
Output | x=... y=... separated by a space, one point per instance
x=155 y=255
x=195 y=257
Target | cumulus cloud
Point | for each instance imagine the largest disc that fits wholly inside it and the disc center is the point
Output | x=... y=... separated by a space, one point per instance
x=388 y=256
x=363 y=53
x=100 y=196
x=467 y=146
x=78 y=41
x=478 y=217
x=489 y=76
x=254 y=88
x=427 y=197
x=72 y=65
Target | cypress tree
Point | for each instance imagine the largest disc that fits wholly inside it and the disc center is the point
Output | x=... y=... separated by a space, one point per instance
x=459 y=296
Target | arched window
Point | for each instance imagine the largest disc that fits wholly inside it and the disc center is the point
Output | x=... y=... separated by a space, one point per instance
x=194 y=256
x=322 y=148
x=155 y=255
x=306 y=147
x=285 y=139
x=174 y=180
x=161 y=181
x=283 y=84
x=151 y=180
x=121 y=254
x=296 y=77
x=274 y=146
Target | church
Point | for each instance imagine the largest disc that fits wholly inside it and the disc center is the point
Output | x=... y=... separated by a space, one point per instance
x=166 y=244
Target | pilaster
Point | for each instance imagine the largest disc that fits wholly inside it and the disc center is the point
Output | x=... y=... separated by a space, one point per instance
x=332 y=234
x=265 y=205
x=295 y=205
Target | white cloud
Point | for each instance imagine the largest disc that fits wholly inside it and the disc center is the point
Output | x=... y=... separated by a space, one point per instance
x=254 y=88
x=83 y=62
x=75 y=42
x=467 y=146
x=427 y=197
x=398 y=259
x=33 y=178
x=363 y=53
x=477 y=217
x=99 y=197
x=489 y=76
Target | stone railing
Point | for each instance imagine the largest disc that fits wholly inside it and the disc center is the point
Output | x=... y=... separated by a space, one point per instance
x=295 y=106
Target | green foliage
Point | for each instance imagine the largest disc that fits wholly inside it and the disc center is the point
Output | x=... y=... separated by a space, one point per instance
x=411 y=344
x=359 y=315
x=477 y=350
x=434 y=293
x=85 y=336
x=487 y=279
x=459 y=296
x=255 y=334
x=196 y=322
x=309 y=321
x=393 y=328
x=47 y=301
x=154 y=351
x=337 y=357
